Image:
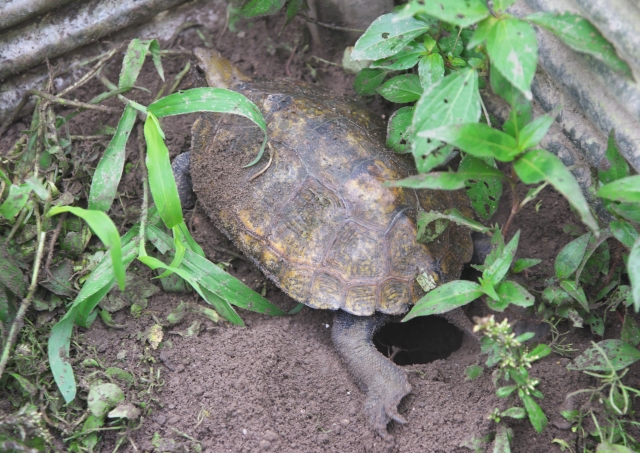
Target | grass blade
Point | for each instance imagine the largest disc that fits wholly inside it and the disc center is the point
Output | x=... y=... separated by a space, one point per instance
x=104 y=183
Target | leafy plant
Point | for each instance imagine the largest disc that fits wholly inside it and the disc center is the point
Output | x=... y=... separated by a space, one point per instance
x=513 y=360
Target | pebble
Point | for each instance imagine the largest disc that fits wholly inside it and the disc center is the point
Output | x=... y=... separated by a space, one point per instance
x=270 y=435
x=160 y=419
x=265 y=444
x=323 y=439
x=179 y=368
x=345 y=422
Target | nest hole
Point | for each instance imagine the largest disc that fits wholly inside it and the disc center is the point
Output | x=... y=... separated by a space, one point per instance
x=421 y=340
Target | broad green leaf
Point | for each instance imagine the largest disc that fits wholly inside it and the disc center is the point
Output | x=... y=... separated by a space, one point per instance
x=606 y=447
x=447 y=180
x=513 y=293
x=630 y=330
x=625 y=189
x=398 y=130
x=134 y=59
x=618 y=166
x=441 y=219
x=619 y=353
x=368 y=80
x=453 y=100
x=430 y=70
x=536 y=416
x=401 y=89
x=451 y=45
x=38 y=188
x=576 y=291
x=524 y=263
x=473 y=372
x=502 y=442
x=502 y=5
x=425 y=162
x=445 y=298
x=387 y=36
x=407 y=58
x=161 y=182
x=595 y=323
x=579 y=34
x=532 y=133
x=515 y=412
x=462 y=13
x=105 y=229
x=15 y=201
x=633 y=268
x=481 y=33
x=477 y=139
x=503 y=392
x=208 y=99
x=630 y=211
x=254 y=8
x=570 y=256
x=103 y=397
x=624 y=232
x=499 y=268
x=106 y=178
x=293 y=6
x=513 y=48
x=539 y=352
x=521 y=112
x=540 y=165
x=484 y=192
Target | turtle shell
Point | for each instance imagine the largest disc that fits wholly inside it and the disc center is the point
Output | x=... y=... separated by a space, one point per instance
x=314 y=213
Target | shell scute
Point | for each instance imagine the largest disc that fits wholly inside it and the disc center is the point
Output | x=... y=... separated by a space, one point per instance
x=357 y=252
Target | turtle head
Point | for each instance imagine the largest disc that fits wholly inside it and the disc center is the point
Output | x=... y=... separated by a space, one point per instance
x=216 y=69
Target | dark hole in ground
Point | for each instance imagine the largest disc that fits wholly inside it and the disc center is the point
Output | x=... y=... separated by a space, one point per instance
x=421 y=340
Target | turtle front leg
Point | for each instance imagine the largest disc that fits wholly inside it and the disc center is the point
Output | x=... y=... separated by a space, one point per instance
x=383 y=381
x=182 y=173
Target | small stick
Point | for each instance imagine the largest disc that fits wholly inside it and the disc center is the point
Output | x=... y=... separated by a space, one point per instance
x=486 y=114
x=286 y=67
x=179 y=77
x=330 y=26
x=322 y=60
x=70 y=103
x=52 y=242
x=90 y=137
x=89 y=75
x=271 y=153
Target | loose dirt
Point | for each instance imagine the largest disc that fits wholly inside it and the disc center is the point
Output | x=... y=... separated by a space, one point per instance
x=277 y=384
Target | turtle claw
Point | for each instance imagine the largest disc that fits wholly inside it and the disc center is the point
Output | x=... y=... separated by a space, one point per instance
x=381 y=406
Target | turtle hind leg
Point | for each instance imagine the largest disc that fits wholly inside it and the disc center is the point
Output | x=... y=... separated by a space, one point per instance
x=182 y=174
x=384 y=383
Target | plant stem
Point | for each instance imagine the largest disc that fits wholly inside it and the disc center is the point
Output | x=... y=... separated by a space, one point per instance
x=515 y=201
x=70 y=103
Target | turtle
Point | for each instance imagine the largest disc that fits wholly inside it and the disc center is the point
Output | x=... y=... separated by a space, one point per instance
x=315 y=215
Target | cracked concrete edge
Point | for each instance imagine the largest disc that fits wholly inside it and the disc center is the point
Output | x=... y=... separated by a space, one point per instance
x=17 y=11
x=607 y=100
x=162 y=26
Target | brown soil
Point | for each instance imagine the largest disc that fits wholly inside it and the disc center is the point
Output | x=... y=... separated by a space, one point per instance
x=278 y=384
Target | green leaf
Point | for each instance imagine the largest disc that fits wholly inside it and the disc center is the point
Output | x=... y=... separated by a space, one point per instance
x=624 y=232
x=11 y=276
x=579 y=34
x=576 y=291
x=447 y=180
x=532 y=133
x=515 y=412
x=430 y=70
x=630 y=330
x=106 y=178
x=254 y=8
x=445 y=298
x=625 y=189
x=38 y=188
x=15 y=201
x=513 y=48
x=513 y=293
x=450 y=215
x=503 y=392
x=524 y=263
x=161 y=181
x=134 y=59
x=451 y=45
x=473 y=372
x=618 y=166
x=477 y=139
x=502 y=5
x=401 y=89
x=103 y=397
x=105 y=229
x=539 y=352
x=483 y=192
x=595 y=323
x=504 y=437
x=570 y=256
x=619 y=353
x=462 y=13
x=407 y=58
x=536 y=416
x=453 y=100
x=387 y=36
x=521 y=112
x=207 y=99
x=606 y=447
x=540 y=165
x=499 y=268
x=633 y=268
x=398 y=130
x=630 y=211
x=368 y=80
x=293 y=7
